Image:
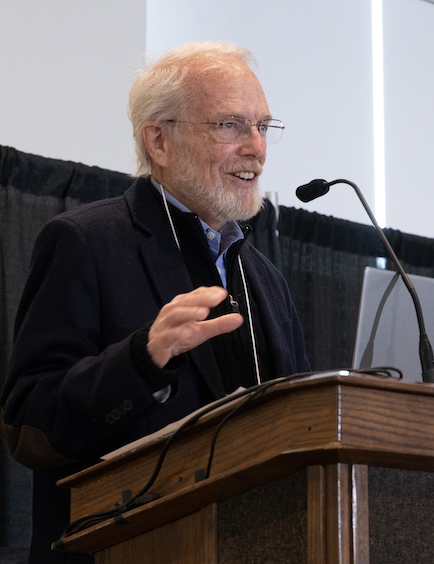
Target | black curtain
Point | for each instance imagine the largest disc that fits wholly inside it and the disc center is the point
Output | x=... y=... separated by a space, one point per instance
x=321 y=257
x=33 y=189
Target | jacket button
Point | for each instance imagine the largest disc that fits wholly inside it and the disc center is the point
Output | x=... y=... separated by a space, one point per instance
x=115 y=414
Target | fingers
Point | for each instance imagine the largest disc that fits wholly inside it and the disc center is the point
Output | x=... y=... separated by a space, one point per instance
x=182 y=325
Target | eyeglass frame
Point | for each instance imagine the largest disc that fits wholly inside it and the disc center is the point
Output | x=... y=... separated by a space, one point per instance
x=246 y=120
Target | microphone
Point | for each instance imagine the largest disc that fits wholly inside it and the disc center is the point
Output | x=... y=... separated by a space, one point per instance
x=318 y=188
x=314 y=189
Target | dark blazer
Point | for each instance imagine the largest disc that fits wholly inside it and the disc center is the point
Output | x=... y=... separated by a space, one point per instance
x=98 y=274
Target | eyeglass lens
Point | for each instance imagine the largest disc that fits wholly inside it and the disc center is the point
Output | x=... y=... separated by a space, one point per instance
x=235 y=130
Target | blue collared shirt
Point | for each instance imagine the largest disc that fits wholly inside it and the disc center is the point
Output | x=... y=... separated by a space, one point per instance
x=218 y=241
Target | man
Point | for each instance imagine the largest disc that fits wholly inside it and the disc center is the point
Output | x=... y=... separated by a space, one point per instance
x=140 y=309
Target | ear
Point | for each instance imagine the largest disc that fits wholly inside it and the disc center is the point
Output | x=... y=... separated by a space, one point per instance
x=155 y=142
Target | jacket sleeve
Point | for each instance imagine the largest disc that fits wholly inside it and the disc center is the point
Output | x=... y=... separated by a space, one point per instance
x=72 y=391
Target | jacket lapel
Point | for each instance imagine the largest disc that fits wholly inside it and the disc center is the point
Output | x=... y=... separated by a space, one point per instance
x=271 y=303
x=165 y=266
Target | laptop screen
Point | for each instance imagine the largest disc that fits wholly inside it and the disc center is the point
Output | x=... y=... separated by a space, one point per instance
x=387 y=330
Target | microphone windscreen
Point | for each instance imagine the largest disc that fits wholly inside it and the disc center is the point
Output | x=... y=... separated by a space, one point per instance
x=314 y=189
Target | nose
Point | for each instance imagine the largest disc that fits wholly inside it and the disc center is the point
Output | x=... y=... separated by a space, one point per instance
x=255 y=145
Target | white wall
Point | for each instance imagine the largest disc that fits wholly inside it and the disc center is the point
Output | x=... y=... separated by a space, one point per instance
x=314 y=62
x=66 y=69
x=409 y=114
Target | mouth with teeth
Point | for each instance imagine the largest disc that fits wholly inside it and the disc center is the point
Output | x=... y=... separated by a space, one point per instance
x=245 y=175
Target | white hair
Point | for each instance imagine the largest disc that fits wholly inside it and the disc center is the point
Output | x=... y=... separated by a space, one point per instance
x=161 y=90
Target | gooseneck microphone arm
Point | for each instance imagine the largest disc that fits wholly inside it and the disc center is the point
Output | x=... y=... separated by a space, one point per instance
x=318 y=188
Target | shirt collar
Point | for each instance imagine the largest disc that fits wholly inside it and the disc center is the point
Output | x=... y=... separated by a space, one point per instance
x=218 y=241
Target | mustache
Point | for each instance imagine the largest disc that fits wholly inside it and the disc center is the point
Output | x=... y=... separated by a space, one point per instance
x=249 y=166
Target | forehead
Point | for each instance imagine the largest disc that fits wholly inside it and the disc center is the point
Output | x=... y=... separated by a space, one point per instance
x=231 y=91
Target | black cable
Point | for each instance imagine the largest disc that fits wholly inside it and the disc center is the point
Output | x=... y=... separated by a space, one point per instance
x=252 y=392
x=225 y=420
x=381 y=372
x=89 y=520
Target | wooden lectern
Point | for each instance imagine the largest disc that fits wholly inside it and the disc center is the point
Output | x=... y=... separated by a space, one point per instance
x=290 y=471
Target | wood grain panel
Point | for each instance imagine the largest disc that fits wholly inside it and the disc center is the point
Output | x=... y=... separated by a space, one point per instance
x=190 y=540
x=293 y=422
x=332 y=420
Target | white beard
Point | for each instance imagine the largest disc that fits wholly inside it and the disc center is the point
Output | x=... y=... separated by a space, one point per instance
x=215 y=200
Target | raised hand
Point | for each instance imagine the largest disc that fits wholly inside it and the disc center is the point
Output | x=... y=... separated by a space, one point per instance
x=181 y=324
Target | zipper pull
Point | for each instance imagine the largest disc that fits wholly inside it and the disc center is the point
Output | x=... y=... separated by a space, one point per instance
x=234 y=305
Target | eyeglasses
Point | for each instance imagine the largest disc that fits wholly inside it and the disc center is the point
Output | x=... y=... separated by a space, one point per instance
x=238 y=129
